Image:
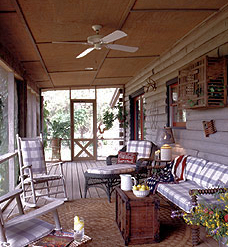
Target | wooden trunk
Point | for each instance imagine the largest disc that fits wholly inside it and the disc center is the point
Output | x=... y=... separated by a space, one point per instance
x=137 y=218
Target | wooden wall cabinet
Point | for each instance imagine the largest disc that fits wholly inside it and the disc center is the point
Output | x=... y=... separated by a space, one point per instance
x=203 y=83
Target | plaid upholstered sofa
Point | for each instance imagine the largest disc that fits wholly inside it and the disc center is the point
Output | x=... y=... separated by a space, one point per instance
x=201 y=176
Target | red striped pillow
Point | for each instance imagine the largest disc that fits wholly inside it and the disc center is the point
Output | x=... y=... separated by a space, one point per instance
x=126 y=157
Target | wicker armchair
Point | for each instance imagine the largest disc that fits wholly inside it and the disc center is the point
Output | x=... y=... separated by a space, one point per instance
x=107 y=177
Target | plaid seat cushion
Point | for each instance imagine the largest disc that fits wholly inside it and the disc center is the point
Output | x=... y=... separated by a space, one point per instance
x=22 y=234
x=193 y=168
x=113 y=169
x=214 y=175
x=32 y=154
x=179 y=194
x=143 y=148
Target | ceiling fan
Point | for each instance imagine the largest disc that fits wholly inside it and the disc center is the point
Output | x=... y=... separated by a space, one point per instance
x=98 y=41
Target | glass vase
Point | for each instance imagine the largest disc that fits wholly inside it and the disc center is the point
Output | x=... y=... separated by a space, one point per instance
x=222 y=242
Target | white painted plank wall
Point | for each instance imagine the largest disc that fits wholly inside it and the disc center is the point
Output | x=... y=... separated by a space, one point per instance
x=210 y=38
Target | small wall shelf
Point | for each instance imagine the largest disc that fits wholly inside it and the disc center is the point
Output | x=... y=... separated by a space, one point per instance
x=203 y=83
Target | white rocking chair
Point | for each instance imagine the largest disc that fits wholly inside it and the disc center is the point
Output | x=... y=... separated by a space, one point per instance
x=33 y=171
x=26 y=228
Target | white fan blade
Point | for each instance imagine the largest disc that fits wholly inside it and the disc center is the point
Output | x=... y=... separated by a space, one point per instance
x=113 y=36
x=85 y=52
x=122 y=48
x=70 y=42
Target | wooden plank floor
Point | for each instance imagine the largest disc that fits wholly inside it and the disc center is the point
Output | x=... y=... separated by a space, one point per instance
x=75 y=182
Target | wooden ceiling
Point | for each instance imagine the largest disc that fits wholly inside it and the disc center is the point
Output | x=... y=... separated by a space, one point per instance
x=28 y=29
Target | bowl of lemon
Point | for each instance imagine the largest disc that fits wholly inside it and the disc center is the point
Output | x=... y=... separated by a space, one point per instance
x=141 y=190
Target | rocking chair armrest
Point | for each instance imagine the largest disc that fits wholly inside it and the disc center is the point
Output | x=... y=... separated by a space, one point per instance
x=60 y=164
x=195 y=192
x=26 y=167
x=55 y=164
x=10 y=195
x=35 y=213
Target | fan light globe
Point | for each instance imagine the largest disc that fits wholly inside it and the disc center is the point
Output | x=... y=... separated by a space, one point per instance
x=94 y=39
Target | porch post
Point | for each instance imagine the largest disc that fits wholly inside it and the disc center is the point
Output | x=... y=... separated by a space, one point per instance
x=11 y=110
x=22 y=107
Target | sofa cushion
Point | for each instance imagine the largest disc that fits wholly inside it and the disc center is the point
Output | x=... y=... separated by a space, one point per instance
x=193 y=168
x=113 y=169
x=143 y=148
x=214 y=175
x=179 y=194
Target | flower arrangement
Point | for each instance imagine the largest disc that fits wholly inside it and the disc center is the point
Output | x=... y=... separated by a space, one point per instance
x=213 y=217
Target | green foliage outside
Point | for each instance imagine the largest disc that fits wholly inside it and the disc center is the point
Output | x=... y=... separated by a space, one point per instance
x=108 y=119
x=57 y=122
x=110 y=115
x=57 y=125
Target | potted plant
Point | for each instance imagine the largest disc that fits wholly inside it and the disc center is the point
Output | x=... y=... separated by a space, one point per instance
x=59 y=129
x=108 y=119
x=213 y=216
x=122 y=115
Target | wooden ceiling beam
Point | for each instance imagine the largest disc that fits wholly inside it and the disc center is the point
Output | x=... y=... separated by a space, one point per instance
x=71 y=42
x=121 y=23
x=7 y=11
x=134 y=56
x=24 y=22
x=177 y=9
x=70 y=71
x=10 y=63
x=114 y=77
x=30 y=61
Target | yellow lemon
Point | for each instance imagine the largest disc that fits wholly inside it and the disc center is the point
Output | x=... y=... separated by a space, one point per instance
x=139 y=186
x=147 y=187
x=143 y=188
x=81 y=225
x=134 y=187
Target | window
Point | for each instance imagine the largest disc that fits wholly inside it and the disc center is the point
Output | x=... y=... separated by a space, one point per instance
x=176 y=115
x=137 y=117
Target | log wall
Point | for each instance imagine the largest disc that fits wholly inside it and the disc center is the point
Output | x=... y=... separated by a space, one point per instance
x=210 y=38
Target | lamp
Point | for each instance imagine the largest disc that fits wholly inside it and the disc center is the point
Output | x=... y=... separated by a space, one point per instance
x=165 y=137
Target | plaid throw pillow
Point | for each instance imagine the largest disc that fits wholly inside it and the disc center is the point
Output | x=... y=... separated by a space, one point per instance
x=126 y=158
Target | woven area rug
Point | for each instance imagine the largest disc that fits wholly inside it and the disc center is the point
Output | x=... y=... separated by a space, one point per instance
x=100 y=224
